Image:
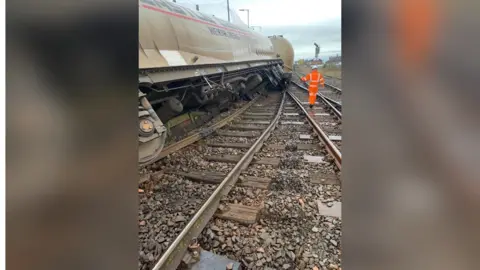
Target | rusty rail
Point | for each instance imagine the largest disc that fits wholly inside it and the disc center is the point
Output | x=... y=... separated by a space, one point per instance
x=175 y=252
x=331 y=148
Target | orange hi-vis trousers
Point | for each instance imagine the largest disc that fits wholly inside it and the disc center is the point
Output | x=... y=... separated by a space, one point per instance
x=312 y=95
x=315 y=79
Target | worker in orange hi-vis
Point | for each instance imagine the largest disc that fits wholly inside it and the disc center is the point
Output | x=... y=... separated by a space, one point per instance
x=316 y=79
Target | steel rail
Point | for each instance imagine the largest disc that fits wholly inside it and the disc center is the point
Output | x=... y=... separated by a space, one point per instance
x=337 y=104
x=175 y=252
x=329 y=76
x=331 y=86
x=334 y=87
x=204 y=132
x=331 y=148
x=324 y=99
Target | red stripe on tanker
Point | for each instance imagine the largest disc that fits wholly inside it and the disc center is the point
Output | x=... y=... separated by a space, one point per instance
x=189 y=12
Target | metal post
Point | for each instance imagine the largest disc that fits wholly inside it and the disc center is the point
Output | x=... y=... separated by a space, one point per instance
x=228 y=10
x=198 y=8
x=174 y=1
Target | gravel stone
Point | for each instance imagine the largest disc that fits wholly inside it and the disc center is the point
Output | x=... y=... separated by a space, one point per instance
x=289 y=234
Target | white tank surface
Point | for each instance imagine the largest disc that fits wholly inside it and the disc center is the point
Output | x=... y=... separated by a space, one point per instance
x=284 y=50
x=172 y=35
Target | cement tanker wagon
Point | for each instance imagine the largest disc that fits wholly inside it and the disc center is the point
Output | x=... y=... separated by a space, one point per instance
x=192 y=66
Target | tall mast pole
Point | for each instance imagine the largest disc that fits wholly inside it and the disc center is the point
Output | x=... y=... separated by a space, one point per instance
x=228 y=10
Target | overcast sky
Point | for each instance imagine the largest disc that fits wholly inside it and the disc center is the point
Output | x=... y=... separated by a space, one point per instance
x=302 y=22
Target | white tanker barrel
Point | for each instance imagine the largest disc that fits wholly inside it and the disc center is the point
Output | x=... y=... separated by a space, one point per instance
x=172 y=35
x=284 y=50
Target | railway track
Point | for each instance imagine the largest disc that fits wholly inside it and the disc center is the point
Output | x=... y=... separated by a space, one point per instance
x=242 y=184
x=209 y=127
x=328 y=117
x=333 y=81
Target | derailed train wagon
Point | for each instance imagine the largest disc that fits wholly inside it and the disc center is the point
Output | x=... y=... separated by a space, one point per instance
x=192 y=65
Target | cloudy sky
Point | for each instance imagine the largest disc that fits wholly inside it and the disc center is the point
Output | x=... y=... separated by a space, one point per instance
x=303 y=22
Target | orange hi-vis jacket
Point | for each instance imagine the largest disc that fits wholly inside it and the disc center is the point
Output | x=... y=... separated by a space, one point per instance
x=315 y=79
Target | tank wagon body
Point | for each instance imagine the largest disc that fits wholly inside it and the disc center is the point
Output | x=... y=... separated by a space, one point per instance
x=192 y=65
x=284 y=50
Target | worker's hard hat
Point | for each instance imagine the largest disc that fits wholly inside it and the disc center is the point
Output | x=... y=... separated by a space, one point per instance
x=314 y=67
